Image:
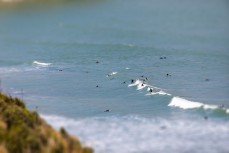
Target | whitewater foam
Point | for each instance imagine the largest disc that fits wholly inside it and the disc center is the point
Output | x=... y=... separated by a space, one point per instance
x=41 y=63
x=16 y=69
x=183 y=103
x=137 y=82
x=158 y=93
x=163 y=93
x=176 y=101
x=141 y=85
x=121 y=134
x=112 y=73
x=186 y=104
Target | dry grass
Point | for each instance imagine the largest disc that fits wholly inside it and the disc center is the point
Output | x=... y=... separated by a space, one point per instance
x=22 y=131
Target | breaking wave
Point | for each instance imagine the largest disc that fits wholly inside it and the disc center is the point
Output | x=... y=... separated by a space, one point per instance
x=186 y=104
x=41 y=63
x=154 y=90
x=175 y=101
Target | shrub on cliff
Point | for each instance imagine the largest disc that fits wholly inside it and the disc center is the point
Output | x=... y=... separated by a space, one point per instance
x=23 y=131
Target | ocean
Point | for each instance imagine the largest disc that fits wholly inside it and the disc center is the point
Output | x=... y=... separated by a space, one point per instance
x=129 y=76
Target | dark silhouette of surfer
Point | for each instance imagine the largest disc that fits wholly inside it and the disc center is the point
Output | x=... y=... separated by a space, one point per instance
x=132 y=81
x=168 y=75
x=107 y=110
x=150 y=90
x=163 y=57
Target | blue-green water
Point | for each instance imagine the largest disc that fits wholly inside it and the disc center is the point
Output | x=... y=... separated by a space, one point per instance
x=48 y=55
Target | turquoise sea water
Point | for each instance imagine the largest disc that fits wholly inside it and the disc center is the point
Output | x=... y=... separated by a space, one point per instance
x=48 y=55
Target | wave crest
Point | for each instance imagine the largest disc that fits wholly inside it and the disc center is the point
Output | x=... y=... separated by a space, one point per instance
x=41 y=63
x=186 y=104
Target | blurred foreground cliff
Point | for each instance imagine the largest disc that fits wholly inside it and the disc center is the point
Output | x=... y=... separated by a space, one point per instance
x=23 y=131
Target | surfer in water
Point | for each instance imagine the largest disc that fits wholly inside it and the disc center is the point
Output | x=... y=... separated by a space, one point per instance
x=132 y=80
x=168 y=75
x=151 y=90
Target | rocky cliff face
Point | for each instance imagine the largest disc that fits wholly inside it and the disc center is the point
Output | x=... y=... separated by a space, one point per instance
x=23 y=131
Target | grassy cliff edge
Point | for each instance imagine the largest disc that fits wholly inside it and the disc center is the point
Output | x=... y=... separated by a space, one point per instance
x=23 y=131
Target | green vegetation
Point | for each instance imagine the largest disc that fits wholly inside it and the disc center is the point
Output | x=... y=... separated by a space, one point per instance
x=22 y=131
